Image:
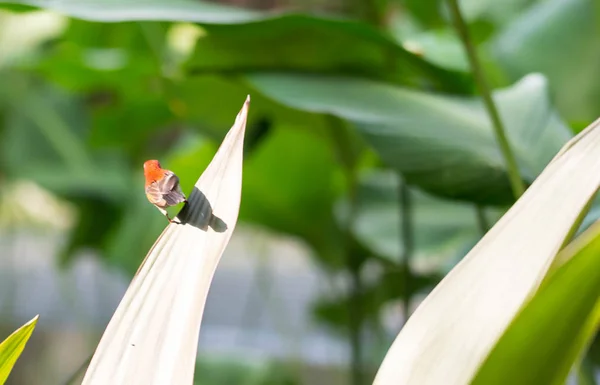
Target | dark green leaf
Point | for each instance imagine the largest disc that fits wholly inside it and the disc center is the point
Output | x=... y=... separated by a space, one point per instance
x=290 y=184
x=442 y=144
x=442 y=229
x=241 y=40
x=96 y=218
x=157 y=10
x=333 y=46
x=497 y=12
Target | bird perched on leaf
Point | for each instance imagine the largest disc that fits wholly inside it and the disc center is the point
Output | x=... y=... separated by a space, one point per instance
x=162 y=187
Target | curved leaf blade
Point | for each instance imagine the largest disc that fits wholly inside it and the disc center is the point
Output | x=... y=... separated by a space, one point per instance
x=443 y=144
x=153 y=335
x=236 y=39
x=11 y=348
x=239 y=48
x=156 y=10
x=457 y=325
x=550 y=332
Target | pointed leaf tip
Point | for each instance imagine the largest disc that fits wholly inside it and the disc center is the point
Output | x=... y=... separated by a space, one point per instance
x=246 y=106
x=240 y=119
x=12 y=347
x=456 y=327
x=153 y=336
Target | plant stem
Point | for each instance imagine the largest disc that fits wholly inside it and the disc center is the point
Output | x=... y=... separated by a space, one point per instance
x=348 y=155
x=355 y=305
x=407 y=237
x=514 y=175
x=355 y=310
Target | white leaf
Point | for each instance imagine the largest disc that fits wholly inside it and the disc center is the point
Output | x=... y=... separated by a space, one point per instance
x=152 y=338
x=454 y=329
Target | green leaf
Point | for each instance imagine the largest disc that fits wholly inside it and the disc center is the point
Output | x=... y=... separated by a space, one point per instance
x=321 y=45
x=442 y=144
x=560 y=39
x=138 y=10
x=236 y=39
x=288 y=191
x=592 y=359
x=225 y=370
x=207 y=101
x=427 y=12
x=552 y=329
x=586 y=374
x=456 y=327
x=497 y=12
x=11 y=348
x=441 y=47
x=441 y=228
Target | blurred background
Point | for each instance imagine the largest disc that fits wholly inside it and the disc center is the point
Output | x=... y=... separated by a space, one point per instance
x=370 y=169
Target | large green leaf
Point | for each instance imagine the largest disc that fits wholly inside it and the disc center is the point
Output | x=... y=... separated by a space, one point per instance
x=441 y=228
x=320 y=45
x=223 y=369
x=442 y=144
x=118 y=10
x=441 y=47
x=292 y=181
x=97 y=56
x=237 y=38
x=11 y=348
x=559 y=38
x=426 y=12
x=456 y=327
x=207 y=102
x=550 y=332
x=497 y=12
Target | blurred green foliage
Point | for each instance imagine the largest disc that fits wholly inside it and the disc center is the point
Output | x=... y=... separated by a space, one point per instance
x=345 y=109
x=226 y=372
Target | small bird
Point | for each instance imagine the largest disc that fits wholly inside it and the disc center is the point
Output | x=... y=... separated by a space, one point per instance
x=162 y=187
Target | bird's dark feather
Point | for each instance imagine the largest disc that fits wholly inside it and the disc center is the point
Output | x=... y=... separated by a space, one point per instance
x=166 y=191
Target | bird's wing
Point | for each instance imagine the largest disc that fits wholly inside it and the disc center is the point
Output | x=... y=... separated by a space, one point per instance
x=154 y=194
x=169 y=187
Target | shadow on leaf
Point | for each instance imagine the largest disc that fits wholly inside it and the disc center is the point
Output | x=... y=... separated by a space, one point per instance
x=198 y=213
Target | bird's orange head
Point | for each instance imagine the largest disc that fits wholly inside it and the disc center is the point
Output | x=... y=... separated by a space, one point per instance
x=152 y=171
x=151 y=164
